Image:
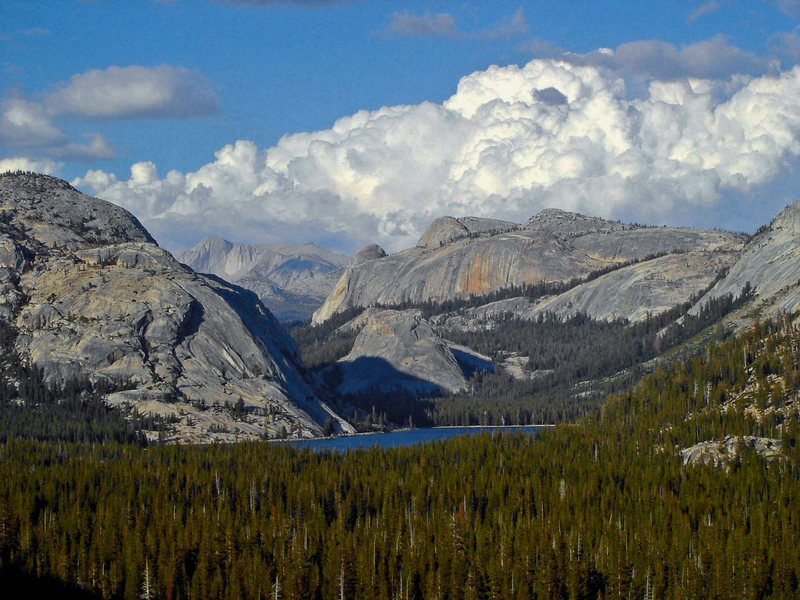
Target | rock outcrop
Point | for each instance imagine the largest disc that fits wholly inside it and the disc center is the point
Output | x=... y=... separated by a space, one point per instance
x=633 y=292
x=720 y=454
x=291 y=280
x=770 y=265
x=400 y=350
x=569 y=224
x=448 y=229
x=92 y=298
x=371 y=252
x=552 y=246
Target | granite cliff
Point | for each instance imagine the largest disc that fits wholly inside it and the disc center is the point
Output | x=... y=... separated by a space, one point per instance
x=456 y=258
x=770 y=265
x=633 y=292
x=91 y=298
x=400 y=350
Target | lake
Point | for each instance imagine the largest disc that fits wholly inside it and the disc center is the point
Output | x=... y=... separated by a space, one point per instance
x=406 y=437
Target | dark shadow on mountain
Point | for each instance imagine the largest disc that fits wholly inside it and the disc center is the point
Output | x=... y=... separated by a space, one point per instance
x=402 y=398
x=374 y=373
x=294 y=265
x=469 y=363
x=192 y=323
x=15 y=583
x=246 y=304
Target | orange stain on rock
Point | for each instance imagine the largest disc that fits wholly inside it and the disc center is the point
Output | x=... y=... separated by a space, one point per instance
x=479 y=277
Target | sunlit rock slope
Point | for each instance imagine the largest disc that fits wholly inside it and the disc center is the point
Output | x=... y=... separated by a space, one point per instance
x=92 y=299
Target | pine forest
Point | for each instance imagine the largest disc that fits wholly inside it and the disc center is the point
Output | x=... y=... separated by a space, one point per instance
x=607 y=507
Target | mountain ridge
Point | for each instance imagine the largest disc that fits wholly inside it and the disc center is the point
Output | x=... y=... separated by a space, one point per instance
x=553 y=245
x=291 y=279
x=91 y=297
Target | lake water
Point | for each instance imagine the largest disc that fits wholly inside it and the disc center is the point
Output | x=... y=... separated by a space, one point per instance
x=407 y=437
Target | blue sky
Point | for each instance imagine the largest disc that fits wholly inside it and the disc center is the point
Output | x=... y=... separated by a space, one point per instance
x=345 y=123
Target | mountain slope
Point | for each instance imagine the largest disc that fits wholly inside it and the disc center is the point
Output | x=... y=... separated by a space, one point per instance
x=634 y=292
x=291 y=280
x=92 y=300
x=453 y=262
x=400 y=350
x=770 y=264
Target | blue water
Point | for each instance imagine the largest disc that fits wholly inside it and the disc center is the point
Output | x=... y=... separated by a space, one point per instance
x=409 y=437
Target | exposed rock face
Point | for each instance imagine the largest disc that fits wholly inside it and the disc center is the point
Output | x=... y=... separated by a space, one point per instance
x=447 y=229
x=632 y=292
x=569 y=224
x=370 y=252
x=552 y=246
x=399 y=349
x=92 y=297
x=720 y=454
x=770 y=263
x=291 y=280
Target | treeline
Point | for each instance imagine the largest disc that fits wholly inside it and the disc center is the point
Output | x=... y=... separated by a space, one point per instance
x=601 y=509
x=572 y=363
x=321 y=345
x=580 y=347
x=74 y=412
x=81 y=418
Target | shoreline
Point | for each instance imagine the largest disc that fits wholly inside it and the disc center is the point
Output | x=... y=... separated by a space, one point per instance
x=485 y=426
x=405 y=429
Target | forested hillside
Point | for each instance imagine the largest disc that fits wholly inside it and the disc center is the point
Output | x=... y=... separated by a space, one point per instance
x=605 y=508
x=568 y=365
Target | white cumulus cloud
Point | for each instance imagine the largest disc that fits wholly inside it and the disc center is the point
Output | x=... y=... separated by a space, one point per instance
x=134 y=92
x=26 y=123
x=709 y=59
x=510 y=141
x=22 y=163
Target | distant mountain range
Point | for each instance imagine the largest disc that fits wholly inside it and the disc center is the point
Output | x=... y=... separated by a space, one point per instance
x=291 y=280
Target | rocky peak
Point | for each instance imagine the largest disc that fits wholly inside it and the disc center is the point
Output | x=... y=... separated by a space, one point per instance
x=569 y=224
x=371 y=252
x=788 y=220
x=91 y=298
x=448 y=229
x=220 y=257
x=53 y=213
x=442 y=231
x=292 y=280
x=206 y=251
x=769 y=264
